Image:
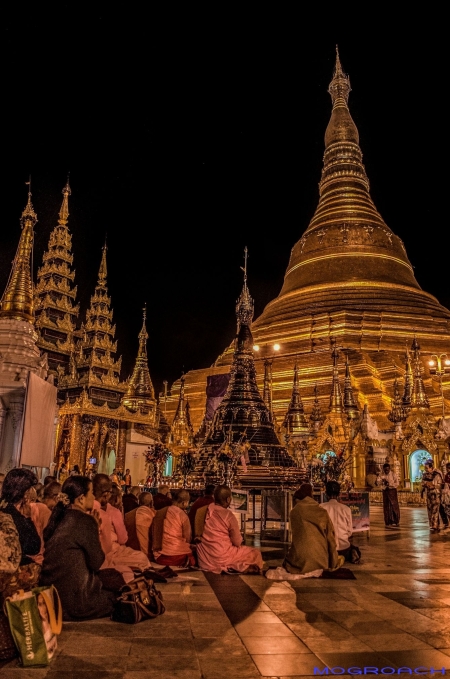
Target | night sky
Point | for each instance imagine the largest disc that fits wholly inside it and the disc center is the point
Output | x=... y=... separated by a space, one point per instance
x=187 y=143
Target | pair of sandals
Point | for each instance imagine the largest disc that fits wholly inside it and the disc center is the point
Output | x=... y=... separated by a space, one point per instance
x=160 y=574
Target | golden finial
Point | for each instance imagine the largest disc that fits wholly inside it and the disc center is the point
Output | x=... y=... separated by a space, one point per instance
x=64 y=211
x=244 y=306
x=17 y=300
x=29 y=211
x=103 y=271
x=339 y=87
x=143 y=335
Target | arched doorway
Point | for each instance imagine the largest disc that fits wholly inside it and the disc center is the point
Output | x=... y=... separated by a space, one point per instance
x=416 y=464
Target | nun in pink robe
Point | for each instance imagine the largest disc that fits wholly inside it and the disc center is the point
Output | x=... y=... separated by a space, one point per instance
x=221 y=546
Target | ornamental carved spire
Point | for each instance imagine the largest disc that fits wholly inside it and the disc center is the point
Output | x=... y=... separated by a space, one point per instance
x=17 y=299
x=419 y=399
x=336 y=401
x=316 y=416
x=267 y=390
x=140 y=394
x=397 y=411
x=295 y=423
x=350 y=405
x=96 y=347
x=409 y=382
x=182 y=431
x=55 y=295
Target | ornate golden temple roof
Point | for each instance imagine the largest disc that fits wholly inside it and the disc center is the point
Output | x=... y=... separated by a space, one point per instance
x=17 y=299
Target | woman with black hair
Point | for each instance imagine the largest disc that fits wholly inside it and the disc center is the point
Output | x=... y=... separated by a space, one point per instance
x=73 y=554
x=18 y=493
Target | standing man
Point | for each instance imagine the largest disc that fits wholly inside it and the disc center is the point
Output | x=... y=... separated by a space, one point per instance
x=389 y=484
x=127 y=479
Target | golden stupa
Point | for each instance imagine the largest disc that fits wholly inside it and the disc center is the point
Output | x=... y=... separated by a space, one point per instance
x=349 y=287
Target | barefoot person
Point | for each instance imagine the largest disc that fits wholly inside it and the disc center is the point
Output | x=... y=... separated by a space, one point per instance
x=221 y=547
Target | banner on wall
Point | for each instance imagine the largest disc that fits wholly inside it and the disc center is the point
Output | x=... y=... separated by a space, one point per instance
x=38 y=441
x=216 y=387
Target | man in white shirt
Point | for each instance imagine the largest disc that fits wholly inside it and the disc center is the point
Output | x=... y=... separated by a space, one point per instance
x=341 y=517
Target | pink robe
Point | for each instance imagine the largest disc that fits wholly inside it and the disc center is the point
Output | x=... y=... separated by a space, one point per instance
x=144 y=519
x=221 y=546
x=117 y=555
x=176 y=533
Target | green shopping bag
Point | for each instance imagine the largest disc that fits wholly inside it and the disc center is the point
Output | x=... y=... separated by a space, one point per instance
x=35 y=619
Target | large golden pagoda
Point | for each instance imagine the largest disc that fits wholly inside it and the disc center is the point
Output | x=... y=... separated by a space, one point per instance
x=349 y=285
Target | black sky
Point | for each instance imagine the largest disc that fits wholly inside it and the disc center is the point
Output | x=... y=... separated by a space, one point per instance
x=187 y=143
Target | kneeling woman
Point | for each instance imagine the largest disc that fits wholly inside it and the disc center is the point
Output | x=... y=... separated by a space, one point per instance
x=73 y=554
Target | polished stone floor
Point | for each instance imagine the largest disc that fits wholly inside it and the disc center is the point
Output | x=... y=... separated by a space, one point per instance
x=395 y=614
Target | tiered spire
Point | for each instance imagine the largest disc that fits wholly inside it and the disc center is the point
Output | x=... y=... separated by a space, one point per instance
x=96 y=348
x=316 y=416
x=336 y=401
x=242 y=413
x=409 y=383
x=182 y=431
x=350 y=405
x=17 y=299
x=295 y=423
x=267 y=391
x=419 y=399
x=397 y=412
x=56 y=311
x=140 y=394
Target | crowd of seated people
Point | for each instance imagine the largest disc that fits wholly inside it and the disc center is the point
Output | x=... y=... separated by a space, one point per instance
x=79 y=537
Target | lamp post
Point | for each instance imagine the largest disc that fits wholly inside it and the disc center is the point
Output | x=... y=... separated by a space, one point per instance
x=440 y=366
x=165 y=383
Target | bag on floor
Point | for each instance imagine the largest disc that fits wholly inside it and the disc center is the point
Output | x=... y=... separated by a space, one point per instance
x=138 y=600
x=35 y=619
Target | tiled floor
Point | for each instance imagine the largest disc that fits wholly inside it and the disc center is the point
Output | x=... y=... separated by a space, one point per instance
x=396 y=614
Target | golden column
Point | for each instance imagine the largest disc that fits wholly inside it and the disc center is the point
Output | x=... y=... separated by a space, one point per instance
x=75 y=443
x=121 y=445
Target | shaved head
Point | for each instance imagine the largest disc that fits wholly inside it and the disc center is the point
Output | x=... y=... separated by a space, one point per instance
x=182 y=497
x=163 y=489
x=145 y=500
x=101 y=484
x=221 y=495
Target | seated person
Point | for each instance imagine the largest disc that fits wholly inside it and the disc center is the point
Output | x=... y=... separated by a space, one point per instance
x=206 y=499
x=313 y=544
x=171 y=533
x=18 y=494
x=221 y=546
x=130 y=499
x=138 y=523
x=113 y=534
x=73 y=554
x=341 y=516
x=41 y=512
x=163 y=498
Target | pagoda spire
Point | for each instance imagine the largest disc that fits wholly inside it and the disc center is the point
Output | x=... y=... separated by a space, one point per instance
x=103 y=270
x=96 y=362
x=409 y=383
x=350 y=405
x=17 y=300
x=419 y=399
x=336 y=401
x=242 y=413
x=339 y=87
x=267 y=391
x=316 y=416
x=55 y=296
x=396 y=413
x=295 y=422
x=182 y=431
x=140 y=394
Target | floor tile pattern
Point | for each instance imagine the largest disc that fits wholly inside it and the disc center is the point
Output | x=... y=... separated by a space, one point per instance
x=395 y=615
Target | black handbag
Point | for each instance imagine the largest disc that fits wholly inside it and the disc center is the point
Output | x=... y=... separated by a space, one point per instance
x=138 y=600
